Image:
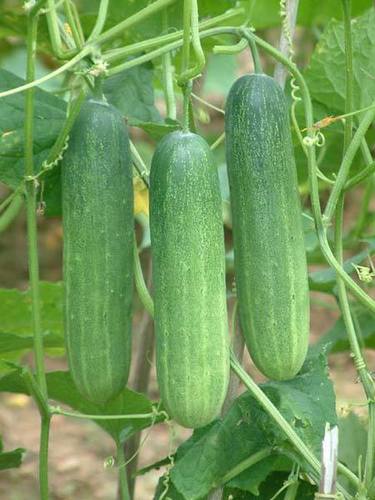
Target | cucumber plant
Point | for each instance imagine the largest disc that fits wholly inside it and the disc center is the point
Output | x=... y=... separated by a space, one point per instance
x=131 y=200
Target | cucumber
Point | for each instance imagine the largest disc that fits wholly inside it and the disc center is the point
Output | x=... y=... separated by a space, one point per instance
x=269 y=254
x=192 y=347
x=97 y=199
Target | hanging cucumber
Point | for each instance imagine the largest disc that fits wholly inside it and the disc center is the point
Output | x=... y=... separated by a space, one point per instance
x=189 y=279
x=97 y=195
x=270 y=260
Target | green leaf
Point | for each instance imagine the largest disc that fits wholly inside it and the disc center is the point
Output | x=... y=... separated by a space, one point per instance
x=352 y=442
x=16 y=334
x=325 y=280
x=157 y=130
x=132 y=92
x=213 y=451
x=266 y=14
x=326 y=74
x=62 y=389
x=10 y=342
x=15 y=309
x=269 y=488
x=49 y=118
x=336 y=339
x=10 y=459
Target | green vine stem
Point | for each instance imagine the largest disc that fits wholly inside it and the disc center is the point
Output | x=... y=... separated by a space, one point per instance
x=245 y=464
x=56 y=410
x=359 y=361
x=121 y=465
x=140 y=165
x=136 y=18
x=72 y=21
x=231 y=49
x=347 y=162
x=361 y=219
x=100 y=20
x=54 y=32
x=139 y=47
x=255 y=54
x=11 y=212
x=170 y=98
x=292 y=436
x=191 y=31
x=31 y=191
x=360 y=177
x=140 y=283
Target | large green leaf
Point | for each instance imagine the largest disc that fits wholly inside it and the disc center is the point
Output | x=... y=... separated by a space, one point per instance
x=326 y=74
x=15 y=309
x=203 y=460
x=49 y=117
x=16 y=333
x=131 y=91
x=336 y=339
x=62 y=389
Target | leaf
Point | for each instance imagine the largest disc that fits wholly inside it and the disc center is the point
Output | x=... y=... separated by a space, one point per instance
x=49 y=118
x=325 y=280
x=10 y=459
x=352 y=442
x=307 y=402
x=326 y=73
x=15 y=309
x=157 y=130
x=61 y=388
x=251 y=479
x=10 y=342
x=266 y=14
x=336 y=339
x=269 y=488
x=132 y=92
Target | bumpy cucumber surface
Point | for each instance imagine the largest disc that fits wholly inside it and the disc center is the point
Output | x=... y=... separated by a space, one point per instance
x=189 y=279
x=97 y=195
x=270 y=259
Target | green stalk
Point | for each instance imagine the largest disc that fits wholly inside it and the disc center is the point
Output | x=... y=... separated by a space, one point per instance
x=31 y=191
x=347 y=162
x=139 y=47
x=43 y=457
x=72 y=24
x=138 y=17
x=360 y=177
x=245 y=464
x=11 y=212
x=169 y=95
x=255 y=54
x=123 y=482
x=140 y=283
x=55 y=410
x=359 y=361
x=100 y=20
x=140 y=165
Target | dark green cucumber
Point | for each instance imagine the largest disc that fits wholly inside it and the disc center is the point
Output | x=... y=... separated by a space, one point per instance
x=97 y=195
x=189 y=279
x=269 y=253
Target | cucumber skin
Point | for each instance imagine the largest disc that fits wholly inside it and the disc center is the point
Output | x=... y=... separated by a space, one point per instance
x=97 y=196
x=269 y=252
x=192 y=343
